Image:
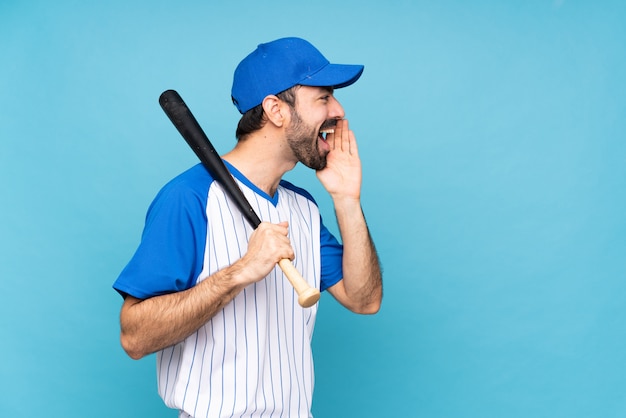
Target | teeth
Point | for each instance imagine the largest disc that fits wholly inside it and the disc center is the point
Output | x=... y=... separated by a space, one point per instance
x=328 y=131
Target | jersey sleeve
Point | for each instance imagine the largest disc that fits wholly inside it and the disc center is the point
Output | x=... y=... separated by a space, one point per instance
x=331 y=255
x=171 y=252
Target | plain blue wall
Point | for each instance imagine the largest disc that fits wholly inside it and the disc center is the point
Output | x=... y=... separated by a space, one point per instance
x=493 y=138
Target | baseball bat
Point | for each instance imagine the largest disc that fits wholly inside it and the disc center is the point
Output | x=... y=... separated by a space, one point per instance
x=185 y=122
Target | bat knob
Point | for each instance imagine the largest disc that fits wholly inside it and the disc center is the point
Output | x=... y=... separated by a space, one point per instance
x=308 y=297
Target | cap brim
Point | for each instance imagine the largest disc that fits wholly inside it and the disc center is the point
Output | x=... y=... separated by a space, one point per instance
x=334 y=75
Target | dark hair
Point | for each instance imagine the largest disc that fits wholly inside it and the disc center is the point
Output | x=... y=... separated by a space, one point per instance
x=254 y=119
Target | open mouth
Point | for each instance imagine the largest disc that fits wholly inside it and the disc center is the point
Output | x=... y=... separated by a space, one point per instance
x=325 y=132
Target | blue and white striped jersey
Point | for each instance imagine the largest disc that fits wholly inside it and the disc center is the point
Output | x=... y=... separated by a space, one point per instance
x=252 y=359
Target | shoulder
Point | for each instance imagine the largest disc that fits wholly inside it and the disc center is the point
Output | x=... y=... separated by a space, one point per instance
x=196 y=177
x=188 y=189
x=195 y=180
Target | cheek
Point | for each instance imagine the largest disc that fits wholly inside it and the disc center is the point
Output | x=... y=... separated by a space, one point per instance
x=315 y=116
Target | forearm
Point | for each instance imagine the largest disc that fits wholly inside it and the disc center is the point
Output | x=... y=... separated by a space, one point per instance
x=362 y=278
x=152 y=324
x=155 y=323
x=361 y=287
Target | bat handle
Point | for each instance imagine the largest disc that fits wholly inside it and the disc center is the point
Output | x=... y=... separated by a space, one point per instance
x=307 y=296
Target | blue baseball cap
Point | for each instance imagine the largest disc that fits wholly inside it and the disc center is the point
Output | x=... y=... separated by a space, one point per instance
x=281 y=64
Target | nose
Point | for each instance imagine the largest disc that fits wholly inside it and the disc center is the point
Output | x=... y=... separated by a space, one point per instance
x=335 y=109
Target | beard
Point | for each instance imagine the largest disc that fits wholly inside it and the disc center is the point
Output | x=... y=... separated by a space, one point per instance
x=303 y=141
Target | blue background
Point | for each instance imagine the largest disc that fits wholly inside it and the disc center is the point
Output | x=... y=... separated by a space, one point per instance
x=493 y=138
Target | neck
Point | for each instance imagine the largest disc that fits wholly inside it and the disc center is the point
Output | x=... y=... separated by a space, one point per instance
x=262 y=160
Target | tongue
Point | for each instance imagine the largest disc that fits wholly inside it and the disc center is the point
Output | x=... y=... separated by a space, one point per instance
x=322 y=144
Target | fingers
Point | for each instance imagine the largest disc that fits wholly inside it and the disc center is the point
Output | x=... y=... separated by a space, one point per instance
x=352 y=144
x=334 y=138
x=268 y=244
x=277 y=237
x=343 y=138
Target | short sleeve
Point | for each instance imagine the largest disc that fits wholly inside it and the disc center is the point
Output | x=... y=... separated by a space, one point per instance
x=332 y=256
x=171 y=252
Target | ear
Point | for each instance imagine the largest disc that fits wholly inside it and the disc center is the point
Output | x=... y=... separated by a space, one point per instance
x=276 y=111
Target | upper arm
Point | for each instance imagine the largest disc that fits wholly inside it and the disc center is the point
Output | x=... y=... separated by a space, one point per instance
x=170 y=255
x=360 y=305
x=338 y=291
x=127 y=305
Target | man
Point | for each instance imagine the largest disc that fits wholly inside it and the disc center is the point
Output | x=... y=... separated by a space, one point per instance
x=203 y=290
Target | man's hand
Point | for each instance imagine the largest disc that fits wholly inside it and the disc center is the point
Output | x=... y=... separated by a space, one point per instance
x=152 y=324
x=342 y=175
x=360 y=290
x=269 y=243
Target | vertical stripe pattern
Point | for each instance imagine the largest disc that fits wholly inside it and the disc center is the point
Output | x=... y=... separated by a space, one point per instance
x=252 y=359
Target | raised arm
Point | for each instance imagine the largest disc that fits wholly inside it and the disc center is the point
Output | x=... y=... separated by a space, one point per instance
x=361 y=287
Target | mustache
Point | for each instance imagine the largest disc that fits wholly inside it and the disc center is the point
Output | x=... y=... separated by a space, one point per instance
x=329 y=124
